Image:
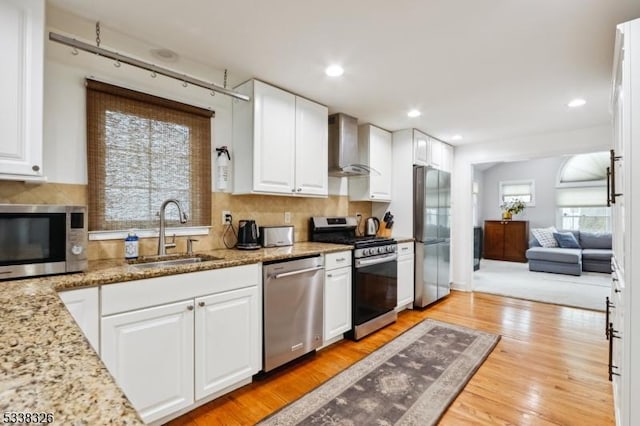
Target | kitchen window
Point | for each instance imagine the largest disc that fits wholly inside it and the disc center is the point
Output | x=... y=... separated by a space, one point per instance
x=523 y=190
x=141 y=150
x=581 y=193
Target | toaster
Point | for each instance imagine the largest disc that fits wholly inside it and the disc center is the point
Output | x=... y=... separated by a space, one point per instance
x=276 y=236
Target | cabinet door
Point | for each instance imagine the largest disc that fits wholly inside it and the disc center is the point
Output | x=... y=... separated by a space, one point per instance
x=83 y=305
x=493 y=240
x=21 y=85
x=228 y=339
x=516 y=235
x=420 y=148
x=150 y=354
x=380 y=160
x=337 y=302
x=435 y=153
x=446 y=157
x=274 y=139
x=405 y=279
x=311 y=148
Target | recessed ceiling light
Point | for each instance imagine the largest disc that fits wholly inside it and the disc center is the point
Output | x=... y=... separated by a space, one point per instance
x=578 y=102
x=414 y=113
x=334 y=71
x=165 y=55
x=456 y=137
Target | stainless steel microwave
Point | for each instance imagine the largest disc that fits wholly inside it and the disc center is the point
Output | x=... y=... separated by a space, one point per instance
x=39 y=239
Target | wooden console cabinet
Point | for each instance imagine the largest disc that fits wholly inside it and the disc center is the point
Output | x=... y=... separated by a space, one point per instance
x=506 y=240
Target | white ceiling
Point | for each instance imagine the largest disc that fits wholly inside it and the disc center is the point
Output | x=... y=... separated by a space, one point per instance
x=486 y=69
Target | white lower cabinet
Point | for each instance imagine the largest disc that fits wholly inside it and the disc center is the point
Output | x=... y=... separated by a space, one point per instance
x=150 y=354
x=337 y=295
x=201 y=337
x=227 y=345
x=84 y=306
x=405 y=275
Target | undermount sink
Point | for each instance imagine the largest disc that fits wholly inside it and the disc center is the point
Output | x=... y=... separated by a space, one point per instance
x=155 y=262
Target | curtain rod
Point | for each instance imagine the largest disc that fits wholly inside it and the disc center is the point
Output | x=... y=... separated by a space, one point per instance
x=144 y=65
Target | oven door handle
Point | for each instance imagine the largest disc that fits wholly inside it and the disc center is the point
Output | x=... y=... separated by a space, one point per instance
x=376 y=260
x=299 y=271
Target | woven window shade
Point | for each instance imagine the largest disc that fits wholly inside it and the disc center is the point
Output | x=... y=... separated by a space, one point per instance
x=142 y=150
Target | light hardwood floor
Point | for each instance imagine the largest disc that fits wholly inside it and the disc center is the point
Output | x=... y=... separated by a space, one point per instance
x=550 y=367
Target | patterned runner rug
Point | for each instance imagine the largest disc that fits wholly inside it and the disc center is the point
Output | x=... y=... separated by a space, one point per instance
x=409 y=381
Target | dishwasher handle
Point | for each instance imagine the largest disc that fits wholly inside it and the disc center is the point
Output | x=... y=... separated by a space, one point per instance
x=296 y=272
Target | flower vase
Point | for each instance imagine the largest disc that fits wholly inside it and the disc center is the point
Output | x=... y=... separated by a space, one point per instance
x=506 y=215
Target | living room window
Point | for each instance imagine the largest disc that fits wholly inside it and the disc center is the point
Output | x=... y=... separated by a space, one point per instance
x=523 y=190
x=581 y=194
x=141 y=150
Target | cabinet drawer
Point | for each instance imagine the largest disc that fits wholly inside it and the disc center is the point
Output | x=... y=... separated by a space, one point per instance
x=337 y=260
x=405 y=249
x=130 y=295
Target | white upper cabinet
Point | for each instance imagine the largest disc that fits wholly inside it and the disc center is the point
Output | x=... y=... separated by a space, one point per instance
x=428 y=151
x=374 y=148
x=446 y=158
x=21 y=80
x=311 y=175
x=420 y=148
x=280 y=143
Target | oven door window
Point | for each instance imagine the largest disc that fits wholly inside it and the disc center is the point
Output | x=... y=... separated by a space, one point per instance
x=32 y=238
x=375 y=290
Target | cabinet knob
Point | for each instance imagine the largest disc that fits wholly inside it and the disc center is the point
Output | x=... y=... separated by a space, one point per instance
x=329 y=275
x=299 y=189
x=293 y=190
x=373 y=196
x=342 y=259
x=35 y=168
x=201 y=304
x=190 y=307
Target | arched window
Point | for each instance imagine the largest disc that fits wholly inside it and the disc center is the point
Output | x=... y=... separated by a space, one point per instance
x=581 y=193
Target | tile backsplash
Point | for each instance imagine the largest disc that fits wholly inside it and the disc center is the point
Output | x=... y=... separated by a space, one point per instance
x=264 y=209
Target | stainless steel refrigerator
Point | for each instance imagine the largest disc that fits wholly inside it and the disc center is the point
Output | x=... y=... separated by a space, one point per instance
x=432 y=232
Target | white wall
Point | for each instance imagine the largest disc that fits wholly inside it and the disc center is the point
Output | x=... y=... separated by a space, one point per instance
x=542 y=171
x=536 y=146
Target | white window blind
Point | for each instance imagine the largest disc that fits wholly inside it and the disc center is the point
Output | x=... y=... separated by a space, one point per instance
x=517 y=190
x=591 y=196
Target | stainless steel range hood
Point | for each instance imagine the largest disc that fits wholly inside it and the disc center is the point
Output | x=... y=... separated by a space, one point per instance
x=343 y=147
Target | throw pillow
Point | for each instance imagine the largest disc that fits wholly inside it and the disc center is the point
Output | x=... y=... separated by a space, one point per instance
x=566 y=240
x=545 y=236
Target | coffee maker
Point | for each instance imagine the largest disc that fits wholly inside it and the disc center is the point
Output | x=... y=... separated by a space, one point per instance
x=247 y=235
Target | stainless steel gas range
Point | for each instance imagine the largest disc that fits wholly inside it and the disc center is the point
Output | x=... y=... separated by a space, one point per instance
x=374 y=274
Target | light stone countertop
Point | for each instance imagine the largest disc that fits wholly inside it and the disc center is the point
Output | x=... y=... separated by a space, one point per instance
x=47 y=365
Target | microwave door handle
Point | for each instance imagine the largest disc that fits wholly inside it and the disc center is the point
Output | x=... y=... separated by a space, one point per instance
x=297 y=272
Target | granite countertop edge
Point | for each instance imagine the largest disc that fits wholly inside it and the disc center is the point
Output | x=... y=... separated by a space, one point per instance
x=48 y=366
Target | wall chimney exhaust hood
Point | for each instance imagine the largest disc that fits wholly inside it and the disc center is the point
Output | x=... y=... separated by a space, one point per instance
x=343 y=147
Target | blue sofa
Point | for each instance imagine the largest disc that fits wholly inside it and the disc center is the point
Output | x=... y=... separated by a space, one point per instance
x=593 y=256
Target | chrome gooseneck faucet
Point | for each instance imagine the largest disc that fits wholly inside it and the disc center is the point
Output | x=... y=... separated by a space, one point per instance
x=162 y=246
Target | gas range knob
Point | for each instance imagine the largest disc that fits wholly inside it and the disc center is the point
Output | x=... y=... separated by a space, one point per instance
x=392 y=249
x=365 y=252
x=373 y=250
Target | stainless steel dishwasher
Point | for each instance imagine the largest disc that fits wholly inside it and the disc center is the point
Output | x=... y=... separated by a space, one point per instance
x=293 y=299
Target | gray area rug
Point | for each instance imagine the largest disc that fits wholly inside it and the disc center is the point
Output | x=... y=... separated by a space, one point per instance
x=409 y=381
